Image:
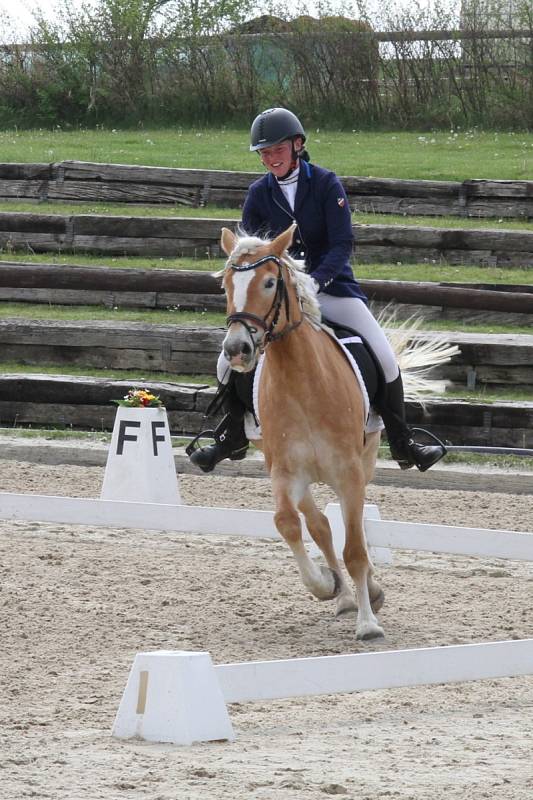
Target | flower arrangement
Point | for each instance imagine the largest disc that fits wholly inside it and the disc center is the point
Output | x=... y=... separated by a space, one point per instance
x=139 y=398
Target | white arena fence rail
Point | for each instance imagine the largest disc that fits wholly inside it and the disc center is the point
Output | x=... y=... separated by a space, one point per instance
x=254 y=524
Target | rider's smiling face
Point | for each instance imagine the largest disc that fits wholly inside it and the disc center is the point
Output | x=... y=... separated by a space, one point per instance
x=278 y=158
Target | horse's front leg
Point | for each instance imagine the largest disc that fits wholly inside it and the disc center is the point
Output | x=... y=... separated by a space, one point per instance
x=322 y=582
x=320 y=529
x=356 y=558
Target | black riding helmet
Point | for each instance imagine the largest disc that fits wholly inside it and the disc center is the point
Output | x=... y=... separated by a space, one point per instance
x=274 y=126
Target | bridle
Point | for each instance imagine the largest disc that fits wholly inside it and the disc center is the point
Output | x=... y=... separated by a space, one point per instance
x=281 y=298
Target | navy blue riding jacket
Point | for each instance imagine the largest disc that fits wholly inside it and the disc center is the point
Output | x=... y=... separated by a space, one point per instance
x=324 y=237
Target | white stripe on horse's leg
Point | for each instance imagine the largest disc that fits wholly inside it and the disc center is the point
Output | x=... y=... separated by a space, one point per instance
x=322 y=582
x=320 y=530
x=356 y=556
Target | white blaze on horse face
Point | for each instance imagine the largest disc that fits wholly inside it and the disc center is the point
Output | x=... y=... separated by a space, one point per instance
x=241 y=282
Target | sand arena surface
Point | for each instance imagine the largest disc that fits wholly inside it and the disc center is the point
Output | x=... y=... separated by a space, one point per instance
x=77 y=603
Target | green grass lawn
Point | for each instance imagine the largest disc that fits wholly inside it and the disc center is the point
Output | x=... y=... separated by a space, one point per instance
x=441 y=155
x=136 y=377
x=28 y=311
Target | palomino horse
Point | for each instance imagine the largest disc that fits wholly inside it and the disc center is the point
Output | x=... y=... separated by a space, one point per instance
x=312 y=415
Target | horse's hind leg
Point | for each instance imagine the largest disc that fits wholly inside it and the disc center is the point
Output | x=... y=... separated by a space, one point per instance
x=369 y=457
x=356 y=558
x=319 y=528
x=322 y=582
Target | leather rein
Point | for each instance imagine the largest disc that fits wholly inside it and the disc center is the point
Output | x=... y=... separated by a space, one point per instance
x=281 y=298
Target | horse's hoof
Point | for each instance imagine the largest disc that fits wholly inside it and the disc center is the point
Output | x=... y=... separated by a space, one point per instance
x=377 y=601
x=368 y=632
x=329 y=573
x=345 y=607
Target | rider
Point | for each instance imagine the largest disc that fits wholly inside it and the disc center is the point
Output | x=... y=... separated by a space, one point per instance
x=293 y=190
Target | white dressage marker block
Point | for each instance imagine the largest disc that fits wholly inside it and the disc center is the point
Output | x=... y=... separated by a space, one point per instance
x=173 y=696
x=140 y=464
x=180 y=697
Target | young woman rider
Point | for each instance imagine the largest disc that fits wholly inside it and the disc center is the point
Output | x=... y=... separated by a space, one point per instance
x=293 y=190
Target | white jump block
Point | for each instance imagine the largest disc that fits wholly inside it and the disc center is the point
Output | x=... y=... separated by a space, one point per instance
x=180 y=697
x=140 y=464
x=173 y=696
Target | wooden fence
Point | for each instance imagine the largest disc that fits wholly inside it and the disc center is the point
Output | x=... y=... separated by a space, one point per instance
x=196 y=290
x=175 y=236
x=86 y=403
x=79 y=181
x=494 y=361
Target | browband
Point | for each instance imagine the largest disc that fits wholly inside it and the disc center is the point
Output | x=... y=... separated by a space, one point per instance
x=255 y=264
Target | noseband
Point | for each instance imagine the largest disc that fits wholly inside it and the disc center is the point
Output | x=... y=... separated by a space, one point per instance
x=281 y=298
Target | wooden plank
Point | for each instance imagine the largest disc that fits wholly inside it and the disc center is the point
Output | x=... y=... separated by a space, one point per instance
x=22 y=222
x=17 y=190
x=25 y=172
x=136 y=280
x=59 y=276
x=479 y=187
x=38 y=242
x=399 y=187
x=75 y=181
x=171 y=236
x=79 y=390
x=122 y=192
x=444 y=238
x=85 y=170
x=83 y=297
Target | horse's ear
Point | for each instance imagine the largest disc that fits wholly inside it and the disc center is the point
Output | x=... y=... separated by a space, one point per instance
x=227 y=241
x=284 y=240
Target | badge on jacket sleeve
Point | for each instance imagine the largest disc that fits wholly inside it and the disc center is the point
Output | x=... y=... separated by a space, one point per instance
x=341 y=201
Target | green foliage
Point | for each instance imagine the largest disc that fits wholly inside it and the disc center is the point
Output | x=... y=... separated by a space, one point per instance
x=205 y=61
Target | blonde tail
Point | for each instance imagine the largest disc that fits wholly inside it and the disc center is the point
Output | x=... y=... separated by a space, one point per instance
x=417 y=355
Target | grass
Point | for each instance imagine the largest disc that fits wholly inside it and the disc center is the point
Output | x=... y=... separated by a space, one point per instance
x=27 y=311
x=441 y=155
x=217 y=212
x=97 y=313
x=436 y=272
x=135 y=377
x=65 y=434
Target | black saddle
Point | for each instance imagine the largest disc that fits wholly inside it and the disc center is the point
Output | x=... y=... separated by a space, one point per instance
x=365 y=358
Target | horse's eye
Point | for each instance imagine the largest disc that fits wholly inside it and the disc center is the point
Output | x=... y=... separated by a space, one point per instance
x=269 y=283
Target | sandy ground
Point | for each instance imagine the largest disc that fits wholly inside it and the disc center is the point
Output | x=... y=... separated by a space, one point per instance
x=77 y=603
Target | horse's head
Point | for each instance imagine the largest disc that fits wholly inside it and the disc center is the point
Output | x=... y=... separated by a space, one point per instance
x=260 y=295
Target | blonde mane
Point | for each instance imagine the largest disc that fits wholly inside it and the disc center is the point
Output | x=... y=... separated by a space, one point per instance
x=300 y=279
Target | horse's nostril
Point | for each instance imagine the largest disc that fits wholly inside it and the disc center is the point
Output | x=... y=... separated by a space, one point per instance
x=246 y=349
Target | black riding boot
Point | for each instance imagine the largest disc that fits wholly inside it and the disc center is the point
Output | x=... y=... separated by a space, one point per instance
x=230 y=438
x=403 y=447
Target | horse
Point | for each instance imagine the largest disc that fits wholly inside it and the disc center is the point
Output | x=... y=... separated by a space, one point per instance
x=312 y=415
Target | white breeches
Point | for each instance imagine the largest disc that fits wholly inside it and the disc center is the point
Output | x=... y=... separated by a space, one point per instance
x=354 y=313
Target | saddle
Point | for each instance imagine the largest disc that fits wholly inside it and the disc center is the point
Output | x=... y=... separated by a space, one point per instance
x=365 y=358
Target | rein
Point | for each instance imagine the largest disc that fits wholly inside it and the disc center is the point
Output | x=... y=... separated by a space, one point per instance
x=281 y=298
